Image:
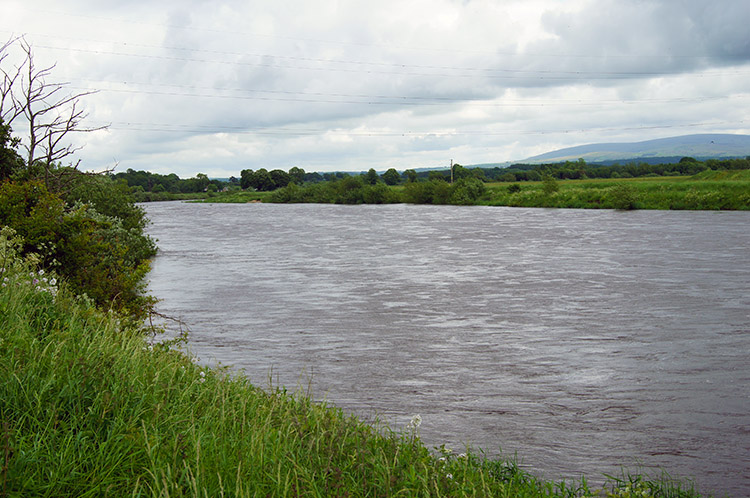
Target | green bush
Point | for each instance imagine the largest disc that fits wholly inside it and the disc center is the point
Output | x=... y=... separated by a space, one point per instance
x=104 y=257
x=623 y=196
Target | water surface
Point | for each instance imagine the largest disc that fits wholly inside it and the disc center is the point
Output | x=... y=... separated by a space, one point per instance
x=583 y=340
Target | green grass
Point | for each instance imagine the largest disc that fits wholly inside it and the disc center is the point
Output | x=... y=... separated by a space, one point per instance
x=88 y=407
x=712 y=190
x=708 y=190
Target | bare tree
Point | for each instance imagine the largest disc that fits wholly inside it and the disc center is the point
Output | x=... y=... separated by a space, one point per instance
x=49 y=112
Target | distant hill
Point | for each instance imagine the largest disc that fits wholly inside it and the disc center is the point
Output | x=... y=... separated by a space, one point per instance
x=702 y=146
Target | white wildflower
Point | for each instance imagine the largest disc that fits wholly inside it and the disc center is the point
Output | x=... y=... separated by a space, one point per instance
x=415 y=421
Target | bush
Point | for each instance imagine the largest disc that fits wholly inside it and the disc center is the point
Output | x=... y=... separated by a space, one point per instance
x=549 y=185
x=104 y=257
x=623 y=196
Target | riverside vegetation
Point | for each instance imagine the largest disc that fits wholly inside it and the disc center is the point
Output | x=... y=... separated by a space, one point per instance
x=725 y=188
x=90 y=407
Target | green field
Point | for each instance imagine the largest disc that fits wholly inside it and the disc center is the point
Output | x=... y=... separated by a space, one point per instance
x=90 y=407
x=709 y=190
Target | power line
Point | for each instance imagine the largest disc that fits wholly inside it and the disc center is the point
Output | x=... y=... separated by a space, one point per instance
x=491 y=73
x=375 y=99
x=281 y=131
x=362 y=44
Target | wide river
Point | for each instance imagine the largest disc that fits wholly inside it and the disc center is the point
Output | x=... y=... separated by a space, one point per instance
x=582 y=340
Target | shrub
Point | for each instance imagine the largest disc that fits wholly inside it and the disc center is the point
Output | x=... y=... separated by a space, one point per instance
x=549 y=185
x=623 y=196
x=104 y=257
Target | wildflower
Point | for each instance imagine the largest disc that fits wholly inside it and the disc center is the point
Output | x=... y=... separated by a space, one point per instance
x=53 y=281
x=449 y=476
x=41 y=272
x=415 y=421
x=462 y=455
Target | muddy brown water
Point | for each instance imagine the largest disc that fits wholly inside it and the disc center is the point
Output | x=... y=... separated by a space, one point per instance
x=582 y=340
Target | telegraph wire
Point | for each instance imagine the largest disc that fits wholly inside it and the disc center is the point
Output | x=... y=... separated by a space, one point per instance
x=504 y=73
x=374 y=99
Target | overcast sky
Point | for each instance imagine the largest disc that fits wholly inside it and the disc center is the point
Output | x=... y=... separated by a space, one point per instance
x=334 y=85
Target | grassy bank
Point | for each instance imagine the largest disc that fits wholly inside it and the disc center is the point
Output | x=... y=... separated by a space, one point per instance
x=709 y=190
x=88 y=407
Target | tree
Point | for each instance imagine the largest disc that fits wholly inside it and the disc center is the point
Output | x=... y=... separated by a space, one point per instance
x=261 y=180
x=245 y=176
x=10 y=161
x=297 y=175
x=411 y=175
x=391 y=177
x=279 y=178
x=549 y=185
x=371 y=178
x=50 y=113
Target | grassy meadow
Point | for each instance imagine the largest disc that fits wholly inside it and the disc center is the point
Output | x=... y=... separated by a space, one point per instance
x=709 y=190
x=91 y=406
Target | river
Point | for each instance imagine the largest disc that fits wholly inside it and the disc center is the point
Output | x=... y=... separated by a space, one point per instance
x=582 y=340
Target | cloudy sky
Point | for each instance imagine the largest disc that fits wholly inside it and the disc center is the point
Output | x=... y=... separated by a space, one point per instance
x=333 y=85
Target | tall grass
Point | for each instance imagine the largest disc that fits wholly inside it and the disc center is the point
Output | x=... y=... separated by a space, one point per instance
x=700 y=193
x=89 y=407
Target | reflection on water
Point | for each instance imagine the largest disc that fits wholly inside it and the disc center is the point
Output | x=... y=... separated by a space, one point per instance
x=583 y=340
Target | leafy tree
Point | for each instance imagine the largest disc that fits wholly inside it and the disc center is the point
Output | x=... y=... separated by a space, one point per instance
x=10 y=161
x=279 y=179
x=371 y=177
x=411 y=175
x=392 y=177
x=436 y=175
x=297 y=175
x=467 y=191
x=549 y=185
x=245 y=176
x=104 y=257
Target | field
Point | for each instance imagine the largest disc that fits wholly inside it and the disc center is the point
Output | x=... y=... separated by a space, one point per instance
x=709 y=190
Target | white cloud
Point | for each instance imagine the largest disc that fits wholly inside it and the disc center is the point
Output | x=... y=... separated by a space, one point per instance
x=218 y=87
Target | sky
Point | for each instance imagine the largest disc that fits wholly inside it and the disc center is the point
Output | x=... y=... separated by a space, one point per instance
x=216 y=87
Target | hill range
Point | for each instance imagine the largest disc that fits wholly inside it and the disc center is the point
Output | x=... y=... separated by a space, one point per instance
x=666 y=150
x=700 y=146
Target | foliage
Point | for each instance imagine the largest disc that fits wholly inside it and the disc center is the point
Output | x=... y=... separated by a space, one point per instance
x=549 y=185
x=173 y=184
x=348 y=190
x=10 y=161
x=105 y=257
x=624 y=196
x=391 y=177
